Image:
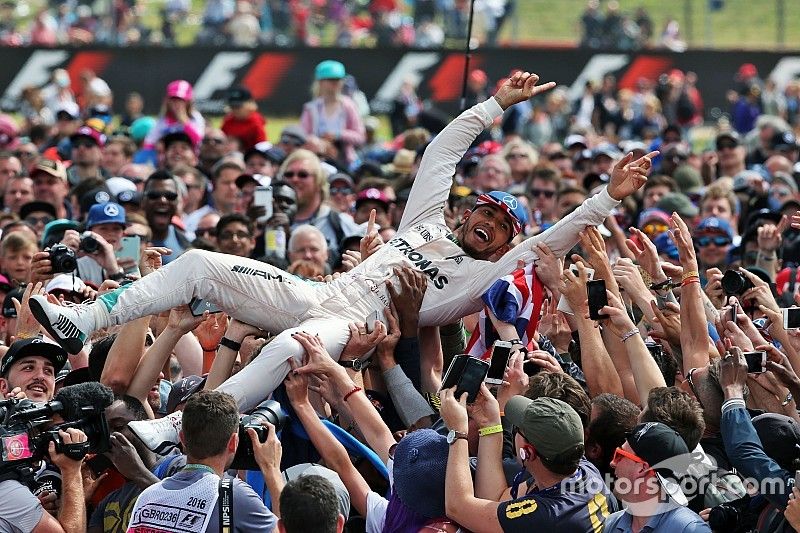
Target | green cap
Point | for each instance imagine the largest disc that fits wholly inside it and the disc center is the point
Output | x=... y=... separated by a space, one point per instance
x=678 y=203
x=688 y=179
x=552 y=426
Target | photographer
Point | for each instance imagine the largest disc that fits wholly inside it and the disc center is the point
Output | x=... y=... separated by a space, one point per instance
x=20 y=510
x=210 y=437
x=104 y=227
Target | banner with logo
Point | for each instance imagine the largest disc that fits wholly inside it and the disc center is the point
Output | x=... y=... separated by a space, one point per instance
x=280 y=79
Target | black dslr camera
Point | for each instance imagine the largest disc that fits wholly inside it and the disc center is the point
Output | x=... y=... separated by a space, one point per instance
x=268 y=411
x=88 y=243
x=734 y=283
x=62 y=259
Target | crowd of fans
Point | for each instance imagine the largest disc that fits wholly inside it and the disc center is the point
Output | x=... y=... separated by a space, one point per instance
x=249 y=23
x=597 y=424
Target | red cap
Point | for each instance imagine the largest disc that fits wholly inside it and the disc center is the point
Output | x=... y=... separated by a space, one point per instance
x=748 y=70
x=180 y=89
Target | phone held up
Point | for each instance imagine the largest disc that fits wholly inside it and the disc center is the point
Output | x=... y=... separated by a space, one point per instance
x=597 y=297
x=501 y=352
x=466 y=374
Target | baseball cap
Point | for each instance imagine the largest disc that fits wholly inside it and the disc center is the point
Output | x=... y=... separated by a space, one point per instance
x=267 y=151
x=258 y=179
x=372 y=194
x=714 y=225
x=98 y=195
x=65 y=283
x=665 y=245
x=34 y=346
x=732 y=135
x=419 y=470
x=117 y=184
x=70 y=109
x=592 y=179
x=551 y=425
x=51 y=167
x=653 y=214
x=607 y=150
x=574 y=139
x=688 y=179
x=785 y=179
x=341 y=176
x=91 y=133
x=107 y=213
x=238 y=96
x=129 y=197
x=181 y=391
x=679 y=203
x=37 y=205
x=509 y=204
x=657 y=443
x=761 y=215
x=5 y=283
x=180 y=89
x=9 y=311
x=784 y=140
x=312 y=469
x=179 y=134
x=780 y=436
x=329 y=70
x=293 y=134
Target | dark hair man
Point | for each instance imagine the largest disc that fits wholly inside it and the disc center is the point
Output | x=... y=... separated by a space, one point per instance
x=309 y=503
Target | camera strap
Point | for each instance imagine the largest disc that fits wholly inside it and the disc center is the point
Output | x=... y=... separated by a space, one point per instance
x=225 y=505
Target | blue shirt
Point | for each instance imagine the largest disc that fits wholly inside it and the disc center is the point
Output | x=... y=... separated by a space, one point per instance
x=172 y=243
x=680 y=519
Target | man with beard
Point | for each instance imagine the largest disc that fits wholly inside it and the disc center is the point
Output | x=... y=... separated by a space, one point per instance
x=30 y=367
x=460 y=265
x=160 y=202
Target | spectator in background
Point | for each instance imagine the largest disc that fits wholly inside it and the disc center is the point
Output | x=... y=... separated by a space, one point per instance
x=331 y=115
x=134 y=109
x=309 y=503
x=244 y=122
x=235 y=235
x=178 y=112
x=160 y=204
x=117 y=153
x=18 y=191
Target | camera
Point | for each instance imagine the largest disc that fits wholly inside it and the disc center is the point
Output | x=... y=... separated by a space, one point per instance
x=88 y=243
x=268 y=411
x=735 y=283
x=734 y=515
x=62 y=259
x=27 y=429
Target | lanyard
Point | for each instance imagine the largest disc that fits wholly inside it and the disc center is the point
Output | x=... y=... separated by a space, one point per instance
x=196 y=467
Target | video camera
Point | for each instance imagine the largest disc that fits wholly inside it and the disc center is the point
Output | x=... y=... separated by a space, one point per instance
x=27 y=428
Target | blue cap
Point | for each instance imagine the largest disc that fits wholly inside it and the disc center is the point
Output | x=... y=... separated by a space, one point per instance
x=714 y=225
x=419 y=471
x=508 y=203
x=107 y=213
x=665 y=245
x=329 y=70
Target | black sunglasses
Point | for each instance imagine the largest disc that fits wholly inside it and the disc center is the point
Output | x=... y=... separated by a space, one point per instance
x=169 y=196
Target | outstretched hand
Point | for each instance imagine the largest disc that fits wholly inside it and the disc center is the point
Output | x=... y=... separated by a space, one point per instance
x=520 y=87
x=628 y=176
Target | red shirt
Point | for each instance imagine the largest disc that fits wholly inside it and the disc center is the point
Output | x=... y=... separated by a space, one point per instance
x=250 y=131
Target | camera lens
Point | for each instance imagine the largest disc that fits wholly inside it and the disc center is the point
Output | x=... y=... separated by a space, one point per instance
x=268 y=411
x=89 y=244
x=734 y=283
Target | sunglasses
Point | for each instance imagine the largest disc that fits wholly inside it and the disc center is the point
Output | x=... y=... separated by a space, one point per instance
x=169 y=196
x=25 y=154
x=291 y=140
x=201 y=232
x=517 y=156
x=620 y=454
x=229 y=235
x=38 y=220
x=340 y=190
x=213 y=140
x=726 y=145
x=541 y=192
x=717 y=241
x=83 y=143
x=302 y=174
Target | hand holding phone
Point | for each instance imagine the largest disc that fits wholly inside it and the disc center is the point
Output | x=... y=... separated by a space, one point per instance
x=791 y=320
x=597 y=297
x=756 y=362
x=466 y=374
x=501 y=352
x=198 y=306
x=563 y=303
x=262 y=196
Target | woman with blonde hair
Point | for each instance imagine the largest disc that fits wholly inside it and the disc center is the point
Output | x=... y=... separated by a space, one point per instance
x=178 y=112
x=521 y=157
x=331 y=115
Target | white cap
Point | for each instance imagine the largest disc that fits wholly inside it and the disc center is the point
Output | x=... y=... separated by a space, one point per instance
x=64 y=282
x=116 y=185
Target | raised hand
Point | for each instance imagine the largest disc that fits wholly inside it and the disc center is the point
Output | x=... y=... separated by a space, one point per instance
x=628 y=176
x=520 y=87
x=372 y=240
x=646 y=254
x=548 y=266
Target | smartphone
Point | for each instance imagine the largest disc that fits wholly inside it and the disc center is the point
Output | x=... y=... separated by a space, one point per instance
x=530 y=368
x=734 y=311
x=501 y=352
x=370 y=321
x=596 y=294
x=563 y=304
x=756 y=362
x=797 y=478
x=130 y=249
x=656 y=350
x=454 y=371
x=263 y=197
x=471 y=378
x=199 y=306
x=791 y=318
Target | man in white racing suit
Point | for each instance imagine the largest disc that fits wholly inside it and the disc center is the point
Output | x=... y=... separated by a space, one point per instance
x=460 y=265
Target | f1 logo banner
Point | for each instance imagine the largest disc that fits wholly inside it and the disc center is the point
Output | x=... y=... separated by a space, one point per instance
x=280 y=79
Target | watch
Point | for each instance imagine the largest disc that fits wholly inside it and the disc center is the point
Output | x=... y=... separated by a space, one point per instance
x=357 y=364
x=454 y=435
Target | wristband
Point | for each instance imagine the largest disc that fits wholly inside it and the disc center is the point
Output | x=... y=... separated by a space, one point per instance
x=690 y=280
x=490 y=430
x=666 y=284
x=690 y=274
x=355 y=390
x=628 y=335
x=228 y=343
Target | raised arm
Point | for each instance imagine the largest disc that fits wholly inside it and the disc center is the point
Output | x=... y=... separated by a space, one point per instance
x=435 y=176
